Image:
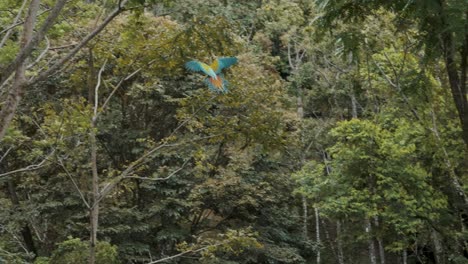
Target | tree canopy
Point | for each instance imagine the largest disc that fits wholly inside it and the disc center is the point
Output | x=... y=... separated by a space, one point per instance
x=342 y=137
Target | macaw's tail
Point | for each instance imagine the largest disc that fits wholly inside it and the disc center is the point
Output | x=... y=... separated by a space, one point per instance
x=218 y=85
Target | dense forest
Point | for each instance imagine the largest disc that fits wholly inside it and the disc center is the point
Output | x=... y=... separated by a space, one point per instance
x=342 y=136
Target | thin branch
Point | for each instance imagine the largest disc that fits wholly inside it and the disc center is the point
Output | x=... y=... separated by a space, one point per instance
x=38 y=37
x=30 y=167
x=289 y=58
x=111 y=185
x=63 y=46
x=391 y=66
x=125 y=173
x=2 y=85
x=397 y=87
x=130 y=169
x=96 y=90
x=43 y=53
x=22 y=22
x=15 y=20
x=19 y=241
x=386 y=76
x=74 y=182
x=100 y=13
x=128 y=77
x=6 y=154
x=160 y=179
x=80 y=45
x=187 y=252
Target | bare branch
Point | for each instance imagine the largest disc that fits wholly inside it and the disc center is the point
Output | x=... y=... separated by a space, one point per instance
x=6 y=154
x=187 y=252
x=74 y=182
x=15 y=21
x=159 y=179
x=43 y=53
x=21 y=22
x=30 y=167
x=392 y=66
x=17 y=239
x=385 y=75
x=113 y=183
x=121 y=82
x=140 y=161
x=2 y=85
x=126 y=172
x=79 y=46
x=398 y=88
x=96 y=91
x=38 y=37
x=63 y=46
x=289 y=58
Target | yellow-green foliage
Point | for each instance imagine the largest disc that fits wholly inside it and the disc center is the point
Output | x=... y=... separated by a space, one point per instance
x=76 y=251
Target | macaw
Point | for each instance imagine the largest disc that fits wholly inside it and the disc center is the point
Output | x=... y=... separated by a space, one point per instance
x=215 y=79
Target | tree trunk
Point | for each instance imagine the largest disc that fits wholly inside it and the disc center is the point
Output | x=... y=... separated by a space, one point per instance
x=380 y=242
x=25 y=231
x=404 y=256
x=329 y=239
x=305 y=229
x=353 y=105
x=94 y=210
x=300 y=115
x=457 y=188
x=19 y=81
x=317 y=231
x=372 y=252
x=438 y=249
x=458 y=91
x=338 y=242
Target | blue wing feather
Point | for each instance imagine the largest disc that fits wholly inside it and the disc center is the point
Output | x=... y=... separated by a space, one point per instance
x=225 y=62
x=194 y=66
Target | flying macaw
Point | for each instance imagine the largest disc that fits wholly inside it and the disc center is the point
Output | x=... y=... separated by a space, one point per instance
x=215 y=79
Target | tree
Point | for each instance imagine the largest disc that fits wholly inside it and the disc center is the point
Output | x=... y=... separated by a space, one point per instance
x=443 y=32
x=29 y=42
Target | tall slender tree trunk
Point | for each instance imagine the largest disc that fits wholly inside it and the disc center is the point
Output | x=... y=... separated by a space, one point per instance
x=300 y=115
x=339 y=245
x=328 y=238
x=404 y=256
x=372 y=252
x=317 y=233
x=380 y=242
x=458 y=91
x=305 y=215
x=94 y=210
x=438 y=249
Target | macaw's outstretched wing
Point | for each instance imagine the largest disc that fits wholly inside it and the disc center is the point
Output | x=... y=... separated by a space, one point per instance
x=219 y=64
x=200 y=67
x=218 y=84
